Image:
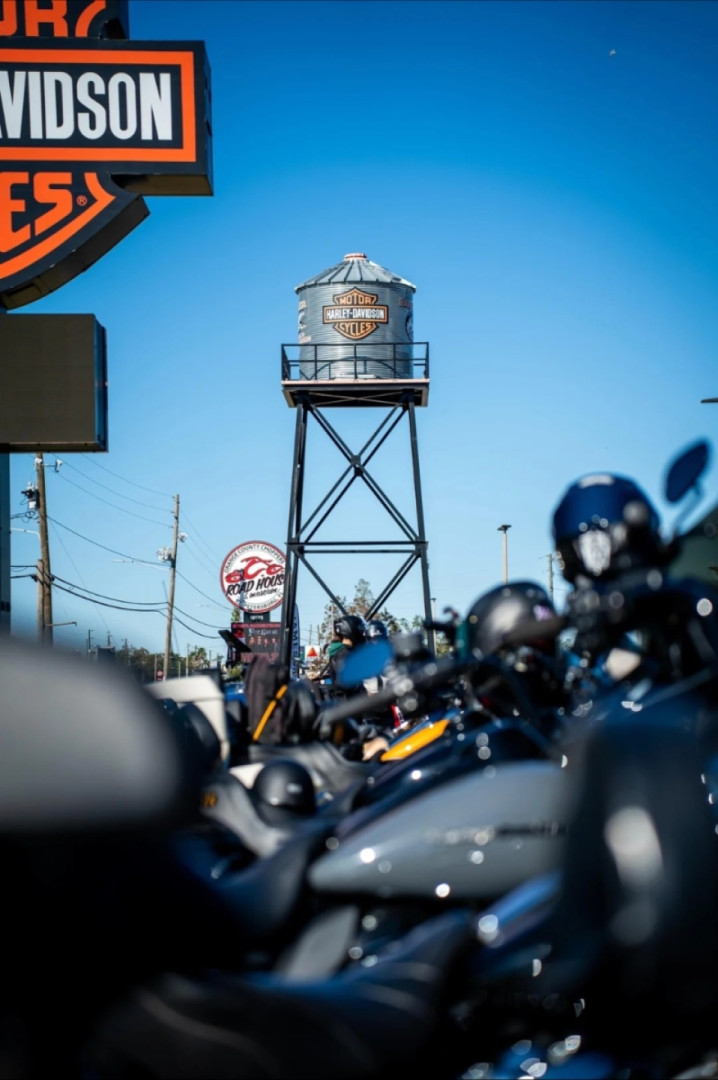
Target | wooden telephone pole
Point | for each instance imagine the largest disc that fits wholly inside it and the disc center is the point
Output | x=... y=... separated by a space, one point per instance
x=171 y=598
x=44 y=576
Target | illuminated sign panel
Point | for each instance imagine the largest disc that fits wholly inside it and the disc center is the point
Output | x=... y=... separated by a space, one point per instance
x=88 y=125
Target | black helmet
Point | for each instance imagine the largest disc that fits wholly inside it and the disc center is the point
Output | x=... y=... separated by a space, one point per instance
x=376 y=629
x=605 y=524
x=352 y=627
x=500 y=611
x=282 y=789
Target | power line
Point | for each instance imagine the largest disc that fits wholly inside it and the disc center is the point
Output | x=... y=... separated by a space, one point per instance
x=119 y=494
x=144 y=562
x=147 y=562
x=210 y=552
x=122 y=510
x=187 y=614
x=210 y=570
x=210 y=598
x=119 y=606
x=193 y=631
x=102 y=603
x=102 y=600
x=72 y=561
x=125 y=480
x=144 y=603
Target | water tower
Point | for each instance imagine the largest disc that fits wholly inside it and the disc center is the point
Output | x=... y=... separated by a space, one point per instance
x=355 y=351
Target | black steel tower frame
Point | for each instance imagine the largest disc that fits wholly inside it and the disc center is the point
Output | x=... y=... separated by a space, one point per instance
x=399 y=397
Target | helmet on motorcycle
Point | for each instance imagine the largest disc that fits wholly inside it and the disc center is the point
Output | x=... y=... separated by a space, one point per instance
x=283 y=789
x=604 y=524
x=376 y=629
x=352 y=627
x=500 y=611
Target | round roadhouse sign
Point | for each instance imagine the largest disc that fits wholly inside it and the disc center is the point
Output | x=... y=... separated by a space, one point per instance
x=252 y=576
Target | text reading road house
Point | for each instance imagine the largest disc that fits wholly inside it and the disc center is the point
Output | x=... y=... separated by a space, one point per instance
x=89 y=123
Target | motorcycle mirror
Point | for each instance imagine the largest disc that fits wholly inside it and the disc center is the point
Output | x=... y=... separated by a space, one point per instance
x=686 y=470
x=364 y=662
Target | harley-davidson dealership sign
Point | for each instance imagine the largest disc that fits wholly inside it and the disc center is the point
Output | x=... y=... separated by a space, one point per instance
x=252 y=576
x=89 y=123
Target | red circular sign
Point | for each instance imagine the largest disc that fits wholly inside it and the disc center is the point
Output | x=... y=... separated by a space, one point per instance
x=252 y=576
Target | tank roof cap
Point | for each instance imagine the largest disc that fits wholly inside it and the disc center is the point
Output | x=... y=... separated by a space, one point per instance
x=355 y=255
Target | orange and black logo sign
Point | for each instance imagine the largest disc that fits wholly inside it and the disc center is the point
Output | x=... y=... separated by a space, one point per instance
x=355 y=314
x=89 y=123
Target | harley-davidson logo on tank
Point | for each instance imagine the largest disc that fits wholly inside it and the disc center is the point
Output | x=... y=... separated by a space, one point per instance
x=356 y=314
x=252 y=576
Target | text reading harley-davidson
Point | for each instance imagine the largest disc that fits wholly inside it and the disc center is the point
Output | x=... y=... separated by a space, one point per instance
x=82 y=105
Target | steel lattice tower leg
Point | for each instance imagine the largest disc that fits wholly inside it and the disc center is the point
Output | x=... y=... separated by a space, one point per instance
x=300 y=531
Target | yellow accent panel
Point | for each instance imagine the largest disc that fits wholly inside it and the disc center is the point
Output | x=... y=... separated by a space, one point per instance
x=414 y=740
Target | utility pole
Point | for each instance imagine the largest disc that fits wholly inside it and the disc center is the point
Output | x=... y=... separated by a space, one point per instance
x=40 y=600
x=504 y=529
x=171 y=599
x=45 y=577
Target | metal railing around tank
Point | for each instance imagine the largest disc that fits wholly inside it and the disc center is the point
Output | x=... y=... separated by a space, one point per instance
x=320 y=361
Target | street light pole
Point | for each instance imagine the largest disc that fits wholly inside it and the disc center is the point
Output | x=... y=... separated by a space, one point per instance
x=504 y=529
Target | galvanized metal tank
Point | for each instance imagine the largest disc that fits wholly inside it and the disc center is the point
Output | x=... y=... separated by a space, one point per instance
x=355 y=322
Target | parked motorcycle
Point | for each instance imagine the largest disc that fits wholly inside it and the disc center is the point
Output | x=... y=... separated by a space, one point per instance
x=633 y=935
x=487 y=815
x=519 y=692
x=570 y=910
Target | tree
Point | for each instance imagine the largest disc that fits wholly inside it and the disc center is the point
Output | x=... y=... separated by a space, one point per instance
x=145 y=665
x=362 y=604
x=198 y=657
x=140 y=662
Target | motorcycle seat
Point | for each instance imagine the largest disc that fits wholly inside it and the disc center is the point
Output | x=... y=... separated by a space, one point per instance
x=363 y=1022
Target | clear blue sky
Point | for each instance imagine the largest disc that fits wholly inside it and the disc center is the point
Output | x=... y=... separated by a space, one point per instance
x=545 y=173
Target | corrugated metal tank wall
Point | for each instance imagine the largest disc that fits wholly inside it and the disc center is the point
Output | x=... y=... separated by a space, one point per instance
x=360 y=317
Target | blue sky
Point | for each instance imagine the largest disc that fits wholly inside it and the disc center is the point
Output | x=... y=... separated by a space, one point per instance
x=543 y=172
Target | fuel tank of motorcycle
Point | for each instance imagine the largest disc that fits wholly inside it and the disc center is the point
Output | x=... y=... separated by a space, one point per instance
x=472 y=838
x=496 y=741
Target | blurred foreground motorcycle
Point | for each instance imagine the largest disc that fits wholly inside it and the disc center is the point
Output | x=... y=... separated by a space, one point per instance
x=603 y=958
